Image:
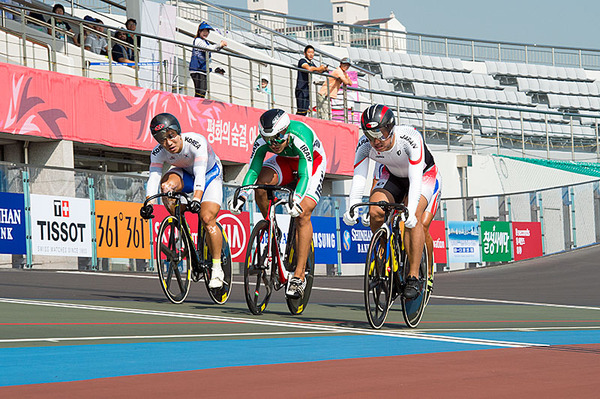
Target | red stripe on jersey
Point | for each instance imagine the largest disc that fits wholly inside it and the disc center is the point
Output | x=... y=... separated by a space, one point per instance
x=418 y=161
x=359 y=162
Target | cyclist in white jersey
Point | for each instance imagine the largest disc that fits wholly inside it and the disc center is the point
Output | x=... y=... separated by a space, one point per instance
x=405 y=172
x=194 y=168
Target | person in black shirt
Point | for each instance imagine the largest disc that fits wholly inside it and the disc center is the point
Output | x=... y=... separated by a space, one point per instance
x=302 y=84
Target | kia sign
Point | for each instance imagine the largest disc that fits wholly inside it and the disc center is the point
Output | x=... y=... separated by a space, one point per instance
x=60 y=226
x=237 y=229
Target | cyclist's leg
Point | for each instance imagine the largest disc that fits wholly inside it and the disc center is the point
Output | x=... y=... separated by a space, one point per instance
x=171 y=181
x=431 y=189
x=377 y=214
x=304 y=232
x=414 y=239
x=208 y=215
x=272 y=173
x=427 y=218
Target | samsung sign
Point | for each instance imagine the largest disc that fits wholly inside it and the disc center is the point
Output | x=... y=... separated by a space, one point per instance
x=324 y=239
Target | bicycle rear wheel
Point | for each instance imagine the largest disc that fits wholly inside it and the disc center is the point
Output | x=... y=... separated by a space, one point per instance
x=298 y=305
x=378 y=280
x=257 y=273
x=173 y=260
x=218 y=295
x=413 y=309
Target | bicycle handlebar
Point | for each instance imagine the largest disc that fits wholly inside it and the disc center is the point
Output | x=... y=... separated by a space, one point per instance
x=170 y=194
x=266 y=187
x=386 y=206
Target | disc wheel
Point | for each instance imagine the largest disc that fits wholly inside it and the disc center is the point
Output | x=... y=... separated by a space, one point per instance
x=173 y=260
x=413 y=309
x=378 y=280
x=257 y=271
x=218 y=295
x=298 y=305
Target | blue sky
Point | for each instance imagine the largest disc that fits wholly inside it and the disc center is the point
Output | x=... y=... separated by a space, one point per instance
x=550 y=22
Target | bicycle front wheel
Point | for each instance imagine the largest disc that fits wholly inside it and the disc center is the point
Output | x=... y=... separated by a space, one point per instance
x=378 y=280
x=413 y=309
x=219 y=295
x=173 y=260
x=257 y=273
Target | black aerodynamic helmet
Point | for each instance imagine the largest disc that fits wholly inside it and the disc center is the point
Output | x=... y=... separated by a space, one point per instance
x=273 y=125
x=374 y=118
x=161 y=124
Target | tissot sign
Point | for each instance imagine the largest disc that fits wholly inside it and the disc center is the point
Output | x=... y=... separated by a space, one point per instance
x=60 y=226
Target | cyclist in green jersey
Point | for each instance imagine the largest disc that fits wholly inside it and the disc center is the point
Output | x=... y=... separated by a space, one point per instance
x=299 y=158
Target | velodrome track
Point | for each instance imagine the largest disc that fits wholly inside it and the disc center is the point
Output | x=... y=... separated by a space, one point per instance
x=529 y=328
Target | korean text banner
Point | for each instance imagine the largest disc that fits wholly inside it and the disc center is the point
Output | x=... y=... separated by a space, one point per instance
x=495 y=241
x=463 y=242
x=119 y=115
x=61 y=226
x=527 y=240
x=12 y=224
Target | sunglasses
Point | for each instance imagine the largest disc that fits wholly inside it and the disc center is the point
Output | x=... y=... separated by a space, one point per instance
x=169 y=136
x=278 y=139
x=378 y=134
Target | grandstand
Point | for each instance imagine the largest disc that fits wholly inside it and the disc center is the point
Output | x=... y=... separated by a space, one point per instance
x=465 y=98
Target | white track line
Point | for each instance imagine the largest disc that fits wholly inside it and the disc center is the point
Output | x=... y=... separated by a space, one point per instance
x=141 y=337
x=241 y=320
x=553 y=305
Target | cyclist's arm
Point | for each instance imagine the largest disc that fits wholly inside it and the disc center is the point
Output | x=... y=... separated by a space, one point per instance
x=259 y=151
x=156 y=165
x=361 y=169
x=305 y=167
x=200 y=163
x=416 y=159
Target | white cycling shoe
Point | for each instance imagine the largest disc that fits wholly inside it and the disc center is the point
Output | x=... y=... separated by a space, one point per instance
x=217 y=279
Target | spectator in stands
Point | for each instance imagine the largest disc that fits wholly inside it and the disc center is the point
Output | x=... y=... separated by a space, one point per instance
x=120 y=51
x=329 y=89
x=39 y=17
x=302 y=85
x=101 y=30
x=131 y=25
x=58 y=9
x=263 y=87
x=94 y=42
x=9 y=15
x=200 y=58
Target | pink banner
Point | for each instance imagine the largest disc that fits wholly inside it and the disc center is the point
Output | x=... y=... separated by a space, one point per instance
x=527 y=240
x=65 y=107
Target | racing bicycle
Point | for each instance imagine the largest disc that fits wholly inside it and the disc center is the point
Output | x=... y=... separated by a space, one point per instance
x=387 y=268
x=267 y=268
x=179 y=261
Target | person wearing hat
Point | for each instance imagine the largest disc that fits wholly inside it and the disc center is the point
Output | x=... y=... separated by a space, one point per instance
x=263 y=86
x=330 y=87
x=200 y=58
x=94 y=42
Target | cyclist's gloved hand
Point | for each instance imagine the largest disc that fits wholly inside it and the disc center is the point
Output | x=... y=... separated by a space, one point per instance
x=294 y=209
x=146 y=212
x=366 y=219
x=350 y=220
x=235 y=205
x=411 y=221
x=195 y=206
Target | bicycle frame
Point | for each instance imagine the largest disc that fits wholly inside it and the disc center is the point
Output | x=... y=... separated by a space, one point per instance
x=197 y=259
x=282 y=272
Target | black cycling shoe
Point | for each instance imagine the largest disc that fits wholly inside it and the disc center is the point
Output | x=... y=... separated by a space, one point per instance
x=411 y=289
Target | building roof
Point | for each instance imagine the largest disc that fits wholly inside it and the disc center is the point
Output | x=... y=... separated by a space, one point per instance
x=377 y=21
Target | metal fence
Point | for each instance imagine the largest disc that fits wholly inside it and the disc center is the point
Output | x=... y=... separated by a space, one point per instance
x=569 y=216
